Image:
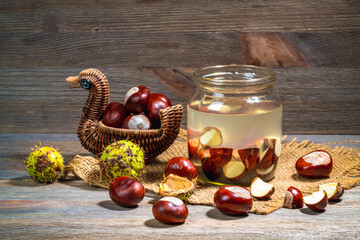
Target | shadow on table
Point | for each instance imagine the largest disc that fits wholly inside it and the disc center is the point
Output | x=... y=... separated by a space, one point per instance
x=108 y=204
x=77 y=182
x=216 y=214
x=153 y=223
x=24 y=181
x=308 y=211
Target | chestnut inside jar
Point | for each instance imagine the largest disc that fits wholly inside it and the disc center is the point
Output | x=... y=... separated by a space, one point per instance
x=234 y=124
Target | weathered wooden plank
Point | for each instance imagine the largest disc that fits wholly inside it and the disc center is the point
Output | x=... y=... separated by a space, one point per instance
x=73 y=209
x=270 y=49
x=189 y=49
x=174 y=16
x=61 y=210
x=37 y=100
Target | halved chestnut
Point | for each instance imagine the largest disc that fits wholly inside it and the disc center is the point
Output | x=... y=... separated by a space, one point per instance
x=221 y=156
x=250 y=157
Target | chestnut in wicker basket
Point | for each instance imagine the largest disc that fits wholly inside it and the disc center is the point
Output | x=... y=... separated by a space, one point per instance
x=95 y=136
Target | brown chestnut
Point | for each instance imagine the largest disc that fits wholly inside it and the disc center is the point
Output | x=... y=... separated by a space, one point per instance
x=293 y=198
x=114 y=114
x=233 y=200
x=211 y=171
x=250 y=157
x=260 y=189
x=317 y=201
x=315 y=164
x=136 y=122
x=182 y=167
x=334 y=191
x=193 y=144
x=137 y=99
x=126 y=192
x=267 y=163
x=221 y=156
x=157 y=102
x=170 y=210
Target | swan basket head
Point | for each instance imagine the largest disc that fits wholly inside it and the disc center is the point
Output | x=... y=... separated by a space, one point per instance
x=95 y=136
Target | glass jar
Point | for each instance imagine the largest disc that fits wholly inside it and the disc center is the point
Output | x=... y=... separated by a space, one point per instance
x=234 y=124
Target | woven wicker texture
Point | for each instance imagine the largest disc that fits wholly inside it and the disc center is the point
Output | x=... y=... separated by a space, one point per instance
x=346 y=165
x=95 y=136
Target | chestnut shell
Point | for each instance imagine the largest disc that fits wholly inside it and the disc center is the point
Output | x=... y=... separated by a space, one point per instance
x=126 y=192
x=182 y=167
x=231 y=203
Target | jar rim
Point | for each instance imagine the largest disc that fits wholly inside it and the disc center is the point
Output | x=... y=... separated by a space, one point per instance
x=210 y=75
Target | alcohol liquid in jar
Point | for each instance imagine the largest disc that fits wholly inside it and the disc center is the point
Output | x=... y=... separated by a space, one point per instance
x=235 y=135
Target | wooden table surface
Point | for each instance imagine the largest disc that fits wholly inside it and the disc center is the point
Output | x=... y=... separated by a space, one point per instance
x=313 y=46
x=73 y=209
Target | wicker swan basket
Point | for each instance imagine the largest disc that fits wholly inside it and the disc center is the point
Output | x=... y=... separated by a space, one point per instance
x=95 y=136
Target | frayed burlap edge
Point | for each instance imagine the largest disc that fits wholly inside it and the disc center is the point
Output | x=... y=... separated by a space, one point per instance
x=346 y=171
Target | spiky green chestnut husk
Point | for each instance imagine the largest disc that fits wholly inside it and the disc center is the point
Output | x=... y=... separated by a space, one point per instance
x=44 y=164
x=122 y=158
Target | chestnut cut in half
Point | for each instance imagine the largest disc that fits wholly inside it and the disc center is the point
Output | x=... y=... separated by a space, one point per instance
x=234 y=170
x=114 y=114
x=260 y=189
x=317 y=201
x=210 y=137
x=317 y=164
x=182 y=167
x=170 y=210
x=250 y=157
x=293 y=198
x=334 y=191
x=221 y=156
x=233 y=200
x=137 y=99
x=193 y=144
x=126 y=192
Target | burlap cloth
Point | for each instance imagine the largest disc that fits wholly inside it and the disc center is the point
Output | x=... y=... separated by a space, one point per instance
x=346 y=170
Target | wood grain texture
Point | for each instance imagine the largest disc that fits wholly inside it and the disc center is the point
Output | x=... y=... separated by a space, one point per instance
x=183 y=49
x=37 y=100
x=270 y=49
x=314 y=47
x=73 y=209
x=178 y=16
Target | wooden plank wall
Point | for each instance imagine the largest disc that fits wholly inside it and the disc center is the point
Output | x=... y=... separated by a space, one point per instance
x=314 y=47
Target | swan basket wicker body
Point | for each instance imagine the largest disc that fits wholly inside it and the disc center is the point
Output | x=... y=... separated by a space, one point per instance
x=95 y=136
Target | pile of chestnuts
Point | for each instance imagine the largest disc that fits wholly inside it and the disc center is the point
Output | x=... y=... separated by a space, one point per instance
x=140 y=110
x=232 y=200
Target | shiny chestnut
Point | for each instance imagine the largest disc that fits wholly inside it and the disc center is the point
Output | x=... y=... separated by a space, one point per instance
x=315 y=164
x=233 y=200
x=137 y=99
x=221 y=156
x=293 y=198
x=114 y=114
x=170 y=210
x=182 y=167
x=126 y=192
x=157 y=102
